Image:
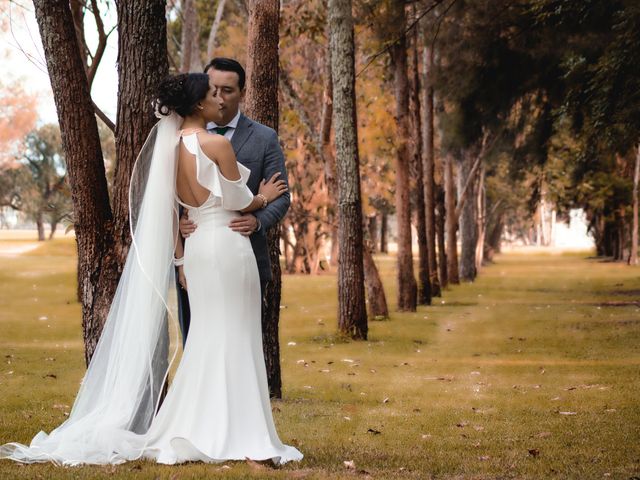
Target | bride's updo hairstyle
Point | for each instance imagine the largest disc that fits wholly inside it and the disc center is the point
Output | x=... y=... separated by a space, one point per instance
x=181 y=93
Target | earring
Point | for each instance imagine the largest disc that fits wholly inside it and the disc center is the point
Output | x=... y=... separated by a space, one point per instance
x=200 y=107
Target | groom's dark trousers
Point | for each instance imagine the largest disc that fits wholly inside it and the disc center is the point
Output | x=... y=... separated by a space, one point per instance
x=256 y=147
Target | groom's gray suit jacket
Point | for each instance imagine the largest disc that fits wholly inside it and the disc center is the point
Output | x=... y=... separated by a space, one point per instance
x=257 y=147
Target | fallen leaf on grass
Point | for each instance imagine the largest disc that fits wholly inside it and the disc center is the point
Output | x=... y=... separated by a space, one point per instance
x=543 y=435
x=568 y=413
x=484 y=458
x=534 y=452
x=386 y=400
x=349 y=464
x=374 y=431
x=426 y=436
x=462 y=424
x=50 y=375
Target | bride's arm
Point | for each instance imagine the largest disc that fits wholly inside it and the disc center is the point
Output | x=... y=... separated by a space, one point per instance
x=219 y=149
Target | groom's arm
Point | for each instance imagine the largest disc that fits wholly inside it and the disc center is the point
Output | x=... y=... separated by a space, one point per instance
x=274 y=162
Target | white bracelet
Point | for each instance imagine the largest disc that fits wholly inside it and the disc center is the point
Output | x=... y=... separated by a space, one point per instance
x=178 y=261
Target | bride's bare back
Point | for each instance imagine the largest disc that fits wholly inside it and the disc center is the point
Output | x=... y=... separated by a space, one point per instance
x=188 y=188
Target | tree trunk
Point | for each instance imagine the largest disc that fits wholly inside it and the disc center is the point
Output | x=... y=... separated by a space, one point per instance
x=440 y=231
x=633 y=255
x=468 y=214
x=328 y=155
x=142 y=65
x=40 y=227
x=372 y=227
x=52 y=232
x=480 y=219
x=352 y=313
x=261 y=104
x=493 y=237
x=428 y=164
x=378 y=309
x=417 y=172
x=407 y=287
x=384 y=230
x=97 y=266
x=451 y=222
x=189 y=45
x=213 y=33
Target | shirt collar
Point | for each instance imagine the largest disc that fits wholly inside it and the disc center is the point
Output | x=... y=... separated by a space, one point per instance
x=232 y=124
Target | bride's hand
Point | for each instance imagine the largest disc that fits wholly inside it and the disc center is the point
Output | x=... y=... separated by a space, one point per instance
x=272 y=188
x=182 y=280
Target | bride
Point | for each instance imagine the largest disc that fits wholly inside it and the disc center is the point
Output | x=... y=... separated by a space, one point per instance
x=217 y=407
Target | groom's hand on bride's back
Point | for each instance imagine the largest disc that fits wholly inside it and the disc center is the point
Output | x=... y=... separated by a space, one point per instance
x=187 y=227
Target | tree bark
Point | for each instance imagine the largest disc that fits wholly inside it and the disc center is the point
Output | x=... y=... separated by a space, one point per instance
x=481 y=219
x=467 y=221
x=97 y=268
x=328 y=155
x=407 y=287
x=261 y=104
x=352 y=313
x=189 y=48
x=417 y=171
x=428 y=163
x=384 y=230
x=40 y=227
x=451 y=222
x=378 y=309
x=52 y=232
x=213 y=33
x=633 y=255
x=372 y=232
x=440 y=230
x=142 y=65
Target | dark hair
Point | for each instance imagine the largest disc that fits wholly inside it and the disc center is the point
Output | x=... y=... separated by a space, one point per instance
x=181 y=93
x=228 y=65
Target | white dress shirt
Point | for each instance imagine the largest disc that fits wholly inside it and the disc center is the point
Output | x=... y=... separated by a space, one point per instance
x=233 y=124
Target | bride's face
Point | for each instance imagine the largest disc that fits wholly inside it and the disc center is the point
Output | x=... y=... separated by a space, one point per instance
x=211 y=104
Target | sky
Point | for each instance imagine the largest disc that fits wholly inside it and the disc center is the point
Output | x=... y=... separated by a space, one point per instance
x=23 y=59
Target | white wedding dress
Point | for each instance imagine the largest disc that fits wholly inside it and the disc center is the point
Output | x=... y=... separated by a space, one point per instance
x=217 y=407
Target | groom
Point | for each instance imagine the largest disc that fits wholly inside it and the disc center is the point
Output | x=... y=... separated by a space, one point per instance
x=256 y=147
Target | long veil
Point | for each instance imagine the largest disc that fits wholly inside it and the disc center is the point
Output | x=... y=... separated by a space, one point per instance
x=121 y=389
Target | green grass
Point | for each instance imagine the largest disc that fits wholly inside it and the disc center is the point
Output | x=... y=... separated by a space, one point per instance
x=470 y=388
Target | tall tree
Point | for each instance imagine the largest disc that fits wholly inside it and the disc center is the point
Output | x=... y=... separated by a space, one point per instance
x=352 y=314
x=261 y=104
x=407 y=287
x=44 y=195
x=97 y=266
x=451 y=221
x=428 y=164
x=213 y=33
x=142 y=34
x=633 y=255
x=417 y=170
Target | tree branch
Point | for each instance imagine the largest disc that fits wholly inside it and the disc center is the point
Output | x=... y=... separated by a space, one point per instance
x=102 y=116
x=472 y=174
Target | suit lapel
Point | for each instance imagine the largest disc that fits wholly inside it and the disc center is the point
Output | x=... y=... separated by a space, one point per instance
x=242 y=133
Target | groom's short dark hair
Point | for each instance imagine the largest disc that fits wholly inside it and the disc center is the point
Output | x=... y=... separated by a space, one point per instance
x=228 y=65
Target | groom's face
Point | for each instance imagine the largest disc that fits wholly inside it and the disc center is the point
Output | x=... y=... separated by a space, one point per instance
x=227 y=86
